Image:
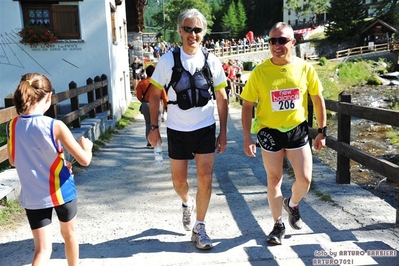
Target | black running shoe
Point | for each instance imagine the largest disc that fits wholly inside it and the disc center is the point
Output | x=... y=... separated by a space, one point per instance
x=294 y=217
x=276 y=234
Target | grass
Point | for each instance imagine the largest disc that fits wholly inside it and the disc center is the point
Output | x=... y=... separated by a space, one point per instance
x=11 y=214
x=326 y=198
x=329 y=79
x=129 y=115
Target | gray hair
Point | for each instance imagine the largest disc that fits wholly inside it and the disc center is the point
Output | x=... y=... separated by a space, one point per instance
x=192 y=13
x=281 y=25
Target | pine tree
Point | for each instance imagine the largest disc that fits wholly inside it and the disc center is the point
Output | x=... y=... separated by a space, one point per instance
x=230 y=21
x=345 y=19
x=242 y=18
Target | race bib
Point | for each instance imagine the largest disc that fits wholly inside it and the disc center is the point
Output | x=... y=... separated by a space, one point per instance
x=285 y=100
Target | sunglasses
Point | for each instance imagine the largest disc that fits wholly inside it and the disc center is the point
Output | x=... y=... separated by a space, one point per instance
x=280 y=40
x=190 y=30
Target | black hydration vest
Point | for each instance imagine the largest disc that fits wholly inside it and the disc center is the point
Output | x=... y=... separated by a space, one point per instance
x=191 y=90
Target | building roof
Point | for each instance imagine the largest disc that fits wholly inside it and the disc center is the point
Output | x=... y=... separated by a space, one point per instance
x=379 y=21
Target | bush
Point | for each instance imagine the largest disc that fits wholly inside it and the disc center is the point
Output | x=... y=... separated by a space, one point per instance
x=354 y=73
x=323 y=61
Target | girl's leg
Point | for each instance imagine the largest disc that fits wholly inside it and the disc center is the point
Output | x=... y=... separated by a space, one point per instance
x=43 y=245
x=68 y=232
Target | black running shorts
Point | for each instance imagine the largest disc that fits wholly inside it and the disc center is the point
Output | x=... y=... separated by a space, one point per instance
x=42 y=217
x=274 y=140
x=184 y=145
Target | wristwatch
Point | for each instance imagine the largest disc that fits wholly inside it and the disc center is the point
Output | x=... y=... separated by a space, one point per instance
x=323 y=131
x=153 y=127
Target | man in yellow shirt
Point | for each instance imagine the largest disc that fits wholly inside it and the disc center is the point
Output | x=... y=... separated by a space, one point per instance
x=281 y=86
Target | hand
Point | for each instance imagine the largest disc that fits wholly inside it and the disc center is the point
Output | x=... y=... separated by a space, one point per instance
x=250 y=148
x=319 y=142
x=221 y=143
x=69 y=166
x=154 y=137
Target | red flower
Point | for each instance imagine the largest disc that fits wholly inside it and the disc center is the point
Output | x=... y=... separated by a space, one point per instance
x=37 y=34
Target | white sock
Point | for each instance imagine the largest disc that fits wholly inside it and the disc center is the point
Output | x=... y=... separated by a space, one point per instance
x=292 y=205
x=189 y=203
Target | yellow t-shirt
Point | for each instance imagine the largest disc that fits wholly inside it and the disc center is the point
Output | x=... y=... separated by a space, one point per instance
x=282 y=93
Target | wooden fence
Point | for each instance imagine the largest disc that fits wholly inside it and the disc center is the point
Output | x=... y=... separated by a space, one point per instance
x=97 y=102
x=239 y=49
x=345 y=152
x=362 y=50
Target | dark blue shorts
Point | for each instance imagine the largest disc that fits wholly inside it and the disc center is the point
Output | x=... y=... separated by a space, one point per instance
x=274 y=140
x=184 y=145
x=42 y=217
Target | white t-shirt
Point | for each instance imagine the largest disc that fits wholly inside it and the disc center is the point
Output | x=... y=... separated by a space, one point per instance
x=197 y=117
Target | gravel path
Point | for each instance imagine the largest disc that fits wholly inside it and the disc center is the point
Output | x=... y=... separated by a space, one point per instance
x=128 y=214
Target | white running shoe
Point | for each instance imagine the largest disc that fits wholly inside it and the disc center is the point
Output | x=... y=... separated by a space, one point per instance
x=187 y=215
x=200 y=237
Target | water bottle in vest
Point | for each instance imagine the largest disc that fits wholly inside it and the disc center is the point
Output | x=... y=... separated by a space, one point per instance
x=158 y=154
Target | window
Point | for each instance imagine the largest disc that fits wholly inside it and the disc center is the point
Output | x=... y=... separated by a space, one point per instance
x=62 y=19
x=113 y=27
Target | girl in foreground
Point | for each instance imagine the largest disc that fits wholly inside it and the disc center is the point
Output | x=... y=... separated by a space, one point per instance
x=35 y=147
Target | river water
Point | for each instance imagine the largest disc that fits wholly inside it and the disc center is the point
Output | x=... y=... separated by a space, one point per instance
x=370 y=137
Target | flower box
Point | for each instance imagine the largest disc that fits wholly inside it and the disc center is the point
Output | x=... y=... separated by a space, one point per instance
x=34 y=34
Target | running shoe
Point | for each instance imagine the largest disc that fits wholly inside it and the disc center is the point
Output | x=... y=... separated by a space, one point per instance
x=200 y=237
x=187 y=215
x=276 y=234
x=294 y=217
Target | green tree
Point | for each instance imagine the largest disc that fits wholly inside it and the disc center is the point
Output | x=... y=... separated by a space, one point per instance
x=216 y=5
x=230 y=21
x=175 y=7
x=296 y=7
x=346 y=18
x=311 y=7
x=387 y=10
x=315 y=7
x=242 y=18
x=235 y=19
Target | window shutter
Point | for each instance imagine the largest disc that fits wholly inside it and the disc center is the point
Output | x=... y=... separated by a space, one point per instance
x=66 y=21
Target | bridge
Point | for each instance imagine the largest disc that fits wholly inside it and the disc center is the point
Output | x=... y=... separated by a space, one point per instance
x=361 y=50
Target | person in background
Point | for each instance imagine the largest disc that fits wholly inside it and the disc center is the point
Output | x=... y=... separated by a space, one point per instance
x=137 y=67
x=191 y=130
x=143 y=95
x=239 y=68
x=225 y=66
x=35 y=147
x=280 y=86
x=231 y=75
